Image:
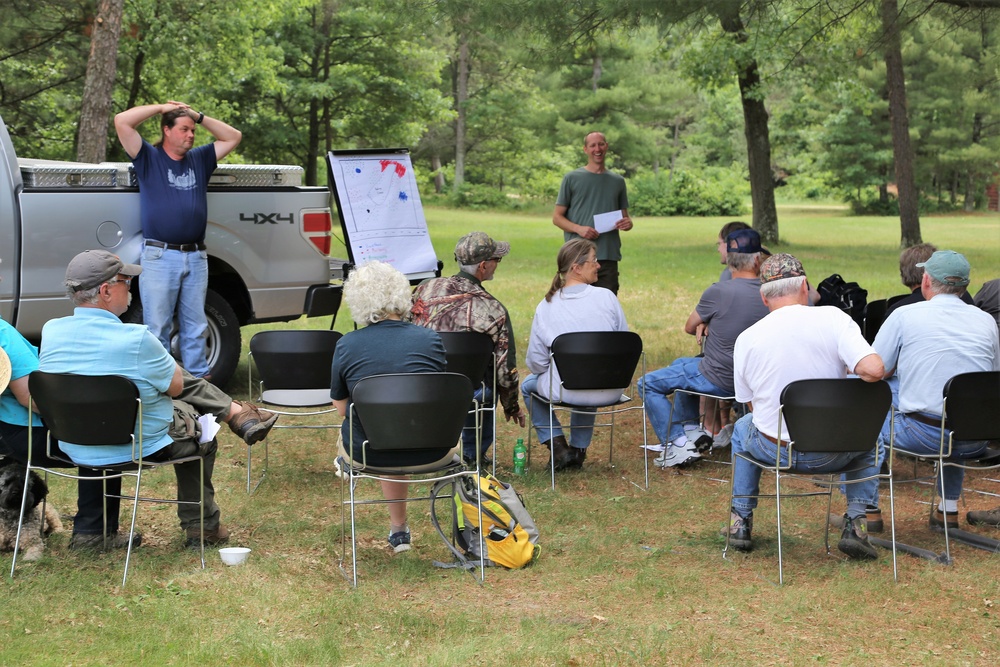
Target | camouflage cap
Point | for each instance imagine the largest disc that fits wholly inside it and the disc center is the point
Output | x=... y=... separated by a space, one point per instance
x=477 y=247
x=779 y=266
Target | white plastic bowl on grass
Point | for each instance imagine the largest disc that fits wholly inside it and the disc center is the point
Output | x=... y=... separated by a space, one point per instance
x=234 y=555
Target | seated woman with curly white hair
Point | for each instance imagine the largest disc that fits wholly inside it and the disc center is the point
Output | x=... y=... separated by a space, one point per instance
x=379 y=298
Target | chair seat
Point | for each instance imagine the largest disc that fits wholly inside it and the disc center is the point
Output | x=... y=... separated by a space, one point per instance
x=451 y=461
x=297 y=398
x=623 y=398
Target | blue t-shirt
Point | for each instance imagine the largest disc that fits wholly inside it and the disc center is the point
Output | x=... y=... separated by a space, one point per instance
x=389 y=346
x=173 y=195
x=95 y=342
x=23 y=360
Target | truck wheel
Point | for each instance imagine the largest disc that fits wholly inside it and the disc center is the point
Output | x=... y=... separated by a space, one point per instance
x=223 y=344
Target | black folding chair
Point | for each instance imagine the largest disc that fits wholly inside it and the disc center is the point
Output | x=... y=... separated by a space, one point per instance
x=471 y=354
x=294 y=368
x=595 y=360
x=98 y=410
x=412 y=413
x=874 y=315
x=825 y=415
x=969 y=411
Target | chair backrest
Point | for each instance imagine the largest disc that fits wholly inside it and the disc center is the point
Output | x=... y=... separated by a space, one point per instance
x=874 y=316
x=835 y=415
x=597 y=359
x=406 y=411
x=469 y=353
x=86 y=409
x=294 y=358
x=972 y=405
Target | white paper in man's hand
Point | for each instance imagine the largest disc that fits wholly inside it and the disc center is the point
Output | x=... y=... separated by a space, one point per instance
x=605 y=222
x=209 y=427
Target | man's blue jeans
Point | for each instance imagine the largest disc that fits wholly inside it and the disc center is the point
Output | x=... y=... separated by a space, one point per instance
x=171 y=281
x=920 y=438
x=581 y=421
x=746 y=476
x=486 y=428
x=681 y=374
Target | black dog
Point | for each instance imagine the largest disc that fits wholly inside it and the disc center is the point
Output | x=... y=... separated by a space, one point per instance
x=11 y=491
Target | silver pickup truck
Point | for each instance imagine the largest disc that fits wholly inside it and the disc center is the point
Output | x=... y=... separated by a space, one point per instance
x=268 y=243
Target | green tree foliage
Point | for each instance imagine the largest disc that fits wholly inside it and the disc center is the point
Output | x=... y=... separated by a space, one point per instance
x=301 y=77
x=43 y=57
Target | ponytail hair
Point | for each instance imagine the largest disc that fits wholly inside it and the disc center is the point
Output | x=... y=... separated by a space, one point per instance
x=573 y=252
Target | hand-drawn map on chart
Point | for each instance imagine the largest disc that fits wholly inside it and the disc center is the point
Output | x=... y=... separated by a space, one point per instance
x=380 y=210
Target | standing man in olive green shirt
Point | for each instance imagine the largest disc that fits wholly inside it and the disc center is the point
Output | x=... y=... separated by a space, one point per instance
x=588 y=191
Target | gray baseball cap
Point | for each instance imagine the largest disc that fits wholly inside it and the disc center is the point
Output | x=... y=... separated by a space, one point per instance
x=92 y=267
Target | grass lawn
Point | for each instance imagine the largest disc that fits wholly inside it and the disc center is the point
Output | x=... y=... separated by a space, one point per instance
x=626 y=576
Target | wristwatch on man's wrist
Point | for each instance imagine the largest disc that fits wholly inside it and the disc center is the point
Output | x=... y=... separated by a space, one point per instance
x=200 y=118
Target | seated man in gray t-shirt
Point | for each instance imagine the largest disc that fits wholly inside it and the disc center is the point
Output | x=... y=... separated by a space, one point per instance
x=727 y=308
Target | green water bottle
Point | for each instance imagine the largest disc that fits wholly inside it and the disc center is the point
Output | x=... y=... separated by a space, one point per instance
x=520 y=456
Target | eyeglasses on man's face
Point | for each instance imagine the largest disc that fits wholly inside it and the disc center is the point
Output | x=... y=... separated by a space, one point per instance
x=122 y=279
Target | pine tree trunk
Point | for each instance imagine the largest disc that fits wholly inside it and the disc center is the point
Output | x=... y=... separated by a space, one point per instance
x=98 y=86
x=765 y=213
x=906 y=184
x=438 y=176
x=461 y=98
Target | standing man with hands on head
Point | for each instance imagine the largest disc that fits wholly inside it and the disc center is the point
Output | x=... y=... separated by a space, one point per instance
x=173 y=194
x=589 y=191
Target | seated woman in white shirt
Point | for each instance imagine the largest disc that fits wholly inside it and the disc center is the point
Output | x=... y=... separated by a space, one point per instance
x=571 y=304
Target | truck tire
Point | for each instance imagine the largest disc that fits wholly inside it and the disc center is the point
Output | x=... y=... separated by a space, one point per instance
x=224 y=343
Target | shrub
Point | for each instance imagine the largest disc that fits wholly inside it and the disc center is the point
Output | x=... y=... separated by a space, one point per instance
x=481 y=197
x=706 y=193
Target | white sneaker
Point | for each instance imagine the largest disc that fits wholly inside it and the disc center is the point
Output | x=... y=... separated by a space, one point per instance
x=724 y=437
x=675 y=456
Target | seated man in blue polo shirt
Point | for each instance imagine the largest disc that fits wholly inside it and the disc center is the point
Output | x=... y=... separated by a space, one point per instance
x=924 y=345
x=93 y=341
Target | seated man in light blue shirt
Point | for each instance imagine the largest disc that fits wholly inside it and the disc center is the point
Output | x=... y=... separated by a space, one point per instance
x=94 y=341
x=924 y=345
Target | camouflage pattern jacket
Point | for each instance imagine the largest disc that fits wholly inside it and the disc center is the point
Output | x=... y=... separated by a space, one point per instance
x=459 y=303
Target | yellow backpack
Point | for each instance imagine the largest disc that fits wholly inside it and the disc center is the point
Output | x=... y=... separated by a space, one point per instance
x=510 y=536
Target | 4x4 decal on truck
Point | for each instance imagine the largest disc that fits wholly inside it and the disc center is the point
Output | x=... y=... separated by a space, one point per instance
x=261 y=218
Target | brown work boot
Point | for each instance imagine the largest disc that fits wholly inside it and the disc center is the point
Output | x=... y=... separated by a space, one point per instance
x=252 y=423
x=213 y=537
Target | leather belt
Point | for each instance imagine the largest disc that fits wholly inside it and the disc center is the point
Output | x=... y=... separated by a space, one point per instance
x=924 y=419
x=774 y=441
x=183 y=247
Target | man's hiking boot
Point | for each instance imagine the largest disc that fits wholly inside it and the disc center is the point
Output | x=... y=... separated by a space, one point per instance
x=984 y=517
x=213 y=537
x=252 y=423
x=937 y=521
x=739 y=532
x=854 y=540
x=95 y=541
